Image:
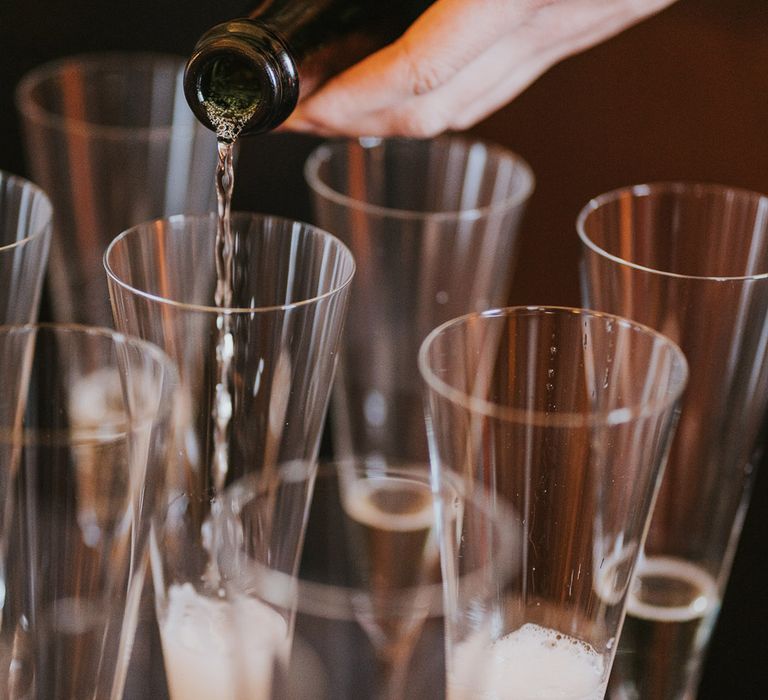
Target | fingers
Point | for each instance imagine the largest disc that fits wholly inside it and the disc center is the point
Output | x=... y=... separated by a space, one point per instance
x=449 y=35
x=459 y=62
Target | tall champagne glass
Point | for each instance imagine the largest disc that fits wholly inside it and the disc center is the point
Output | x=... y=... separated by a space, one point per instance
x=263 y=416
x=433 y=225
x=692 y=261
x=111 y=140
x=567 y=414
x=87 y=435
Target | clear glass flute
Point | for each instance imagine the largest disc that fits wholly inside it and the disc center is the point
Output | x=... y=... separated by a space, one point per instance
x=433 y=226
x=277 y=346
x=692 y=261
x=566 y=414
x=111 y=140
x=87 y=434
x=25 y=235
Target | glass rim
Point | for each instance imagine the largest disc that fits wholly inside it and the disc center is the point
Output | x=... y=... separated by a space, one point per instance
x=343 y=602
x=39 y=194
x=115 y=337
x=133 y=230
x=590 y=418
x=648 y=189
x=31 y=109
x=322 y=152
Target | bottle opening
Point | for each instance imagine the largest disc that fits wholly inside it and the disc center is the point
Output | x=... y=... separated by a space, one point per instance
x=241 y=78
x=231 y=86
x=230 y=92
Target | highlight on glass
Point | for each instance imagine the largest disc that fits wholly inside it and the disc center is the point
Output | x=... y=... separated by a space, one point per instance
x=26 y=218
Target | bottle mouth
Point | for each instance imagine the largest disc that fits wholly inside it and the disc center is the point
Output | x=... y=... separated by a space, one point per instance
x=241 y=79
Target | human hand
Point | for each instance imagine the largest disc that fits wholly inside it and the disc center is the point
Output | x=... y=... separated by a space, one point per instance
x=459 y=62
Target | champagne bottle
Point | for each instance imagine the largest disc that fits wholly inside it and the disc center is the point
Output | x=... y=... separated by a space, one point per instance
x=250 y=73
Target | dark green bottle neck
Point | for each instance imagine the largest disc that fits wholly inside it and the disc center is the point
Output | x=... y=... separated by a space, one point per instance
x=238 y=66
x=255 y=70
x=310 y=26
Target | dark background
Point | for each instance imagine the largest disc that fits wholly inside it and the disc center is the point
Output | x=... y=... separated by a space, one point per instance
x=683 y=95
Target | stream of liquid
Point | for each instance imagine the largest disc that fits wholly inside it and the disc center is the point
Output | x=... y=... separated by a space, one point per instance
x=228 y=126
x=225 y=345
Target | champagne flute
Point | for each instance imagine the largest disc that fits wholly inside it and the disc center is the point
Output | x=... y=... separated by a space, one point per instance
x=109 y=137
x=567 y=414
x=263 y=417
x=81 y=469
x=689 y=259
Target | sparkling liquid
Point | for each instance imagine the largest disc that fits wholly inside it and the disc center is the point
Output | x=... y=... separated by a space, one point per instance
x=531 y=663
x=228 y=127
x=670 y=612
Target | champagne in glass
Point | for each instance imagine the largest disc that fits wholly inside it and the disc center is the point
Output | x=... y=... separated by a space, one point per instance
x=532 y=662
x=670 y=613
x=223 y=643
x=655 y=252
x=205 y=659
x=389 y=524
x=391 y=531
x=280 y=347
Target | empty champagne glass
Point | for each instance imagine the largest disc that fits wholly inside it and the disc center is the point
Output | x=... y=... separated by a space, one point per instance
x=25 y=234
x=567 y=414
x=87 y=432
x=111 y=140
x=433 y=227
x=692 y=261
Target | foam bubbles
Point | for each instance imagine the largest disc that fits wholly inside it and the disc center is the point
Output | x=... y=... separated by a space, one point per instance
x=216 y=648
x=533 y=663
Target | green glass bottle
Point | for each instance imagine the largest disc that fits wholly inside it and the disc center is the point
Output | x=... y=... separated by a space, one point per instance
x=247 y=75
